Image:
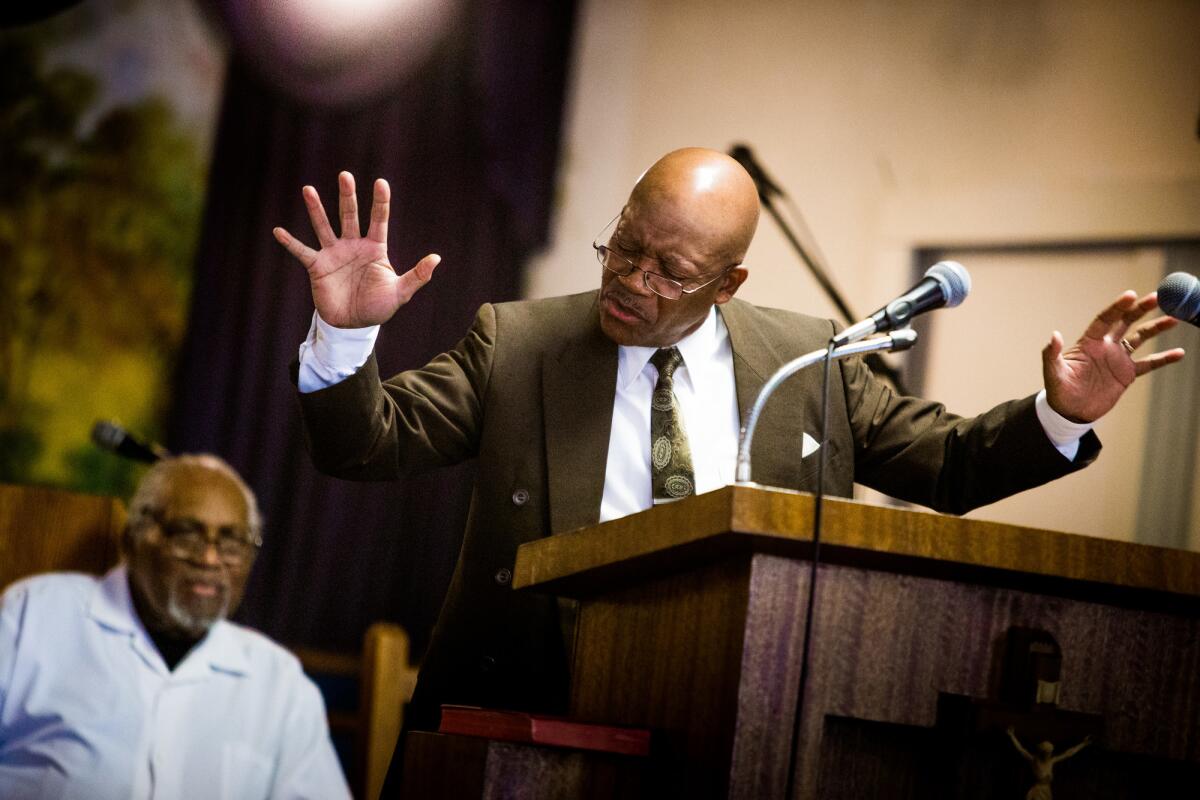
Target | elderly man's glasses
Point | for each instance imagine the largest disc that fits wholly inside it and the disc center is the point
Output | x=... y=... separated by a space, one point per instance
x=620 y=262
x=190 y=539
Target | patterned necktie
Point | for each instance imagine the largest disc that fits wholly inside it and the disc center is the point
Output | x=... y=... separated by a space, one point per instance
x=670 y=456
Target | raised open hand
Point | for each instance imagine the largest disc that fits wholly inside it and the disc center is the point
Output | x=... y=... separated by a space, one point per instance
x=353 y=283
x=1087 y=379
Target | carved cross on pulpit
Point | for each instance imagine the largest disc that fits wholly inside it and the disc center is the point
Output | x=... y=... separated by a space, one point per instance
x=1024 y=704
x=1043 y=763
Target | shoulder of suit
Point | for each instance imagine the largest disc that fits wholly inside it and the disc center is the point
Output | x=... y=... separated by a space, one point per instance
x=570 y=305
x=553 y=318
x=778 y=323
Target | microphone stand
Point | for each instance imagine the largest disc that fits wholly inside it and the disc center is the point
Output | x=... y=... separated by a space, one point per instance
x=767 y=188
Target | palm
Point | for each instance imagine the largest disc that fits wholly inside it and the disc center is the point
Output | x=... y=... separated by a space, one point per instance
x=1084 y=381
x=1091 y=375
x=353 y=283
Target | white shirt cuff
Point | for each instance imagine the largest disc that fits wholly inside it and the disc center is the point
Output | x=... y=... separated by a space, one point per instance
x=330 y=355
x=1062 y=432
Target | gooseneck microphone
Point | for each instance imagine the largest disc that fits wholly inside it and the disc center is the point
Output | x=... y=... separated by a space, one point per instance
x=112 y=437
x=1179 y=296
x=946 y=283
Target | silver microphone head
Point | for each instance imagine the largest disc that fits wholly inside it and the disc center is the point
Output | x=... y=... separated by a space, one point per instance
x=954 y=280
x=1179 y=296
x=107 y=434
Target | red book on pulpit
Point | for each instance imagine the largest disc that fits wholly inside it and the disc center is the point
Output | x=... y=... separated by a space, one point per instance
x=518 y=726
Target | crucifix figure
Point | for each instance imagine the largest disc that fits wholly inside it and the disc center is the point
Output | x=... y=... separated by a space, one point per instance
x=1043 y=764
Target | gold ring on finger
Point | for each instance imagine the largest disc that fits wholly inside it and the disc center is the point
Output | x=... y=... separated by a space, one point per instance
x=1128 y=347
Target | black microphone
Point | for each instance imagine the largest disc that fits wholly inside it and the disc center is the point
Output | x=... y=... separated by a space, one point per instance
x=112 y=437
x=766 y=187
x=946 y=283
x=1179 y=296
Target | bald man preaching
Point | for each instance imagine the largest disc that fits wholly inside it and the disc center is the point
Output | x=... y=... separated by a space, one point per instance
x=597 y=405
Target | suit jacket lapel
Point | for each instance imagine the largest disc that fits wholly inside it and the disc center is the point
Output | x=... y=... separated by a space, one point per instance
x=579 y=382
x=777 y=439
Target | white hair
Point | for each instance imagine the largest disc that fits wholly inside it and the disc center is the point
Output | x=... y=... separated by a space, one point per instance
x=148 y=497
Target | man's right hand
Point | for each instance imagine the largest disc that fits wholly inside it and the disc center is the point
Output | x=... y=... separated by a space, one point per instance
x=353 y=283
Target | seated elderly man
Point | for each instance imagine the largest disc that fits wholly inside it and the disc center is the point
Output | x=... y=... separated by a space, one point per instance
x=134 y=685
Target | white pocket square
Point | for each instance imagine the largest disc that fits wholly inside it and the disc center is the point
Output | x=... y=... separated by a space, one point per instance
x=808 y=446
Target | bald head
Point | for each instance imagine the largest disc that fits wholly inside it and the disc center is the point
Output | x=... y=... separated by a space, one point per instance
x=689 y=222
x=708 y=192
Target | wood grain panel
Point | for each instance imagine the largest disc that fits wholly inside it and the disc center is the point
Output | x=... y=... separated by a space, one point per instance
x=885 y=644
x=49 y=529
x=667 y=655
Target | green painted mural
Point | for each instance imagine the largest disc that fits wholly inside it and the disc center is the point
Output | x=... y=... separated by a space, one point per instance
x=103 y=185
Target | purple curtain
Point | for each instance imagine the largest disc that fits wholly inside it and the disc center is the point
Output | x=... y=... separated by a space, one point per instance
x=469 y=143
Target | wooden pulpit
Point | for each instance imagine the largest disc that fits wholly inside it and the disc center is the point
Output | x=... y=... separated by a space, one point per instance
x=691 y=623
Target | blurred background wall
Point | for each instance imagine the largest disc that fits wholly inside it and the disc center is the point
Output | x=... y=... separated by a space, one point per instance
x=1051 y=146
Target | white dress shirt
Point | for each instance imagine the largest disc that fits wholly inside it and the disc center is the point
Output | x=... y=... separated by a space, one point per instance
x=707 y=398
x=704 y=387
x=89 y=710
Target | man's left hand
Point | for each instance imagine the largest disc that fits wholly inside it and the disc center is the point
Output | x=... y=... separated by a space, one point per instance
x=1084 y=381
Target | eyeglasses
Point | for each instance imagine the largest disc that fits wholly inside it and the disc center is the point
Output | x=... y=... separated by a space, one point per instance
x=190 y=539
x=620 y=265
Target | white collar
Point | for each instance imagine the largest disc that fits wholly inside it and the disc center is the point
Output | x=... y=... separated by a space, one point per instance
x=112 y=606
x=700 y=350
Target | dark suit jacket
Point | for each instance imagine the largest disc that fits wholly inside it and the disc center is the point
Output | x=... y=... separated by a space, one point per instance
x=529 y=393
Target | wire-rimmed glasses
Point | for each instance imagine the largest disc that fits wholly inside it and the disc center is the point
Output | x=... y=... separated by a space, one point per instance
x=619 y=263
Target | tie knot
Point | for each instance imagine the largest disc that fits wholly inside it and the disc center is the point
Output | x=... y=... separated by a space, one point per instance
x=665 y=361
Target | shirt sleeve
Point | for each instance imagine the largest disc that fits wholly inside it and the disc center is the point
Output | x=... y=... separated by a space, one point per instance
x=1062 y=432
x=330 y=355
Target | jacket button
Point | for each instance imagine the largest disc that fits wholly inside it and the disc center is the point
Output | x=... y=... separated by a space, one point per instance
x=503 y=576
x=520 y=497
x=487 y=664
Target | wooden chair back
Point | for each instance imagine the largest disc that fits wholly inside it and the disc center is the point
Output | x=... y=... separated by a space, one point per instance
x=44 y=530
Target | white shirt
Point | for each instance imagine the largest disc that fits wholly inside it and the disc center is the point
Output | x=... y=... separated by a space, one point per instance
x=89 y=710
x=704 y=388
x=707 y=398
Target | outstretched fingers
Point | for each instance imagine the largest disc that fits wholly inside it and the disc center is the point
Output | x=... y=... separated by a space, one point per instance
x=411 y=282
x=1133 y=314
x=380 y=209
x=1158 y=360
x=303 y=253
x=1148 y=330
x=316 y=216
x=348 y=206
x=1104 y=322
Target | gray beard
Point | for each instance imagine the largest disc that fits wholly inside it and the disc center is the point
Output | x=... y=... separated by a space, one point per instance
x=191 y=622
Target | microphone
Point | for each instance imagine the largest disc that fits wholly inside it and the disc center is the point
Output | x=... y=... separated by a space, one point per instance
x=946 y=283
x=766 y=187
x=112 y=437
x=1179 y=296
